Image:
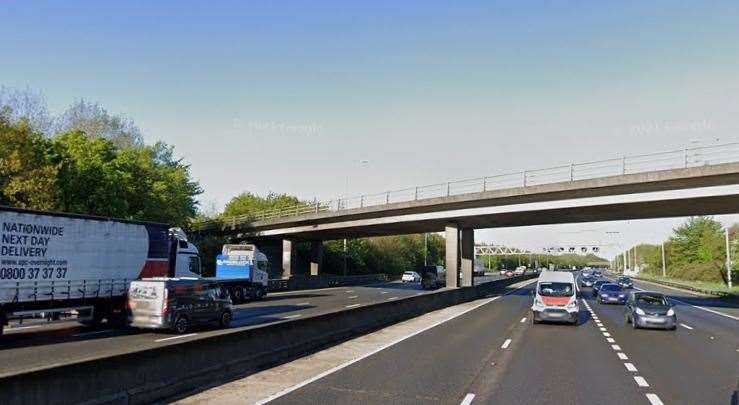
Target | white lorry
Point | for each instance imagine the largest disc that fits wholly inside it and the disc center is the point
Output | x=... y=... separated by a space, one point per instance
x=52 y=263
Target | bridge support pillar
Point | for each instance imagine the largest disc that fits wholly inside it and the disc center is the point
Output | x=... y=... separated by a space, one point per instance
x=316 y=257
x=288 y=258
x=452 y=254
x=468 y=257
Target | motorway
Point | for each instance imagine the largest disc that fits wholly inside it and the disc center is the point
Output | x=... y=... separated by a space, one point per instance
x=36 y=345
x=494 y=354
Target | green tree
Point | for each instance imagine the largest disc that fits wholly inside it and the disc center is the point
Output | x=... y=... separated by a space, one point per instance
x=249 y=203
x=27 y=172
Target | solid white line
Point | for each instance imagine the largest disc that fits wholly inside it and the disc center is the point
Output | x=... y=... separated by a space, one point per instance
x=622 y=356
x=640 y=381
x=381 y=348
x=686 y=326
x=92 y=333
x=352 y=305
x=616 y=348
x=351 y=297
x=654 y=399
x=630 y=366
x=506 y=344
x=523 y=319
x=610 y=340
x=467 y=399
x=176 y=337
x=292 y=316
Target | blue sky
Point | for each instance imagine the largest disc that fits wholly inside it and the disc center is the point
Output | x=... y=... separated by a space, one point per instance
x=292 y=96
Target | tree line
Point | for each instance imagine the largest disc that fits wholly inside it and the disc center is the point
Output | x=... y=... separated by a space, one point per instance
x=696 y=251
x=88 y=161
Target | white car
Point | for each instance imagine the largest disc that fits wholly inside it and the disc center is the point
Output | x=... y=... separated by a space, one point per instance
x=410 y=277
x=520 y=270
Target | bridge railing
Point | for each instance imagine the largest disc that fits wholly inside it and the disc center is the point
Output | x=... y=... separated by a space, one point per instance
x=675 y=159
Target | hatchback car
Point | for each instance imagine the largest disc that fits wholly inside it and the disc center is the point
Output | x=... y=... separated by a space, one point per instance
x=611 y=294
x=646 y=309
x=625 y=282
x=586 y=281
x=597 y=285
x=411 y=277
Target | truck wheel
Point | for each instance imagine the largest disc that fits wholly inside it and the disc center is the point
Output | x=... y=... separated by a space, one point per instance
x=225 y=319
x=259 y=293
x=237 y=295
x=181 y=325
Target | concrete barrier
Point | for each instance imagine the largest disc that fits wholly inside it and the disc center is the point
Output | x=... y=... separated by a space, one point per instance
x=302 y=282
x=162 y=373
x=682 y=286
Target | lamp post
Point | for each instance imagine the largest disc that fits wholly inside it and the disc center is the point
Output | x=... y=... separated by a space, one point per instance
x=728 y=259
x=664 y=262
x=346 y=205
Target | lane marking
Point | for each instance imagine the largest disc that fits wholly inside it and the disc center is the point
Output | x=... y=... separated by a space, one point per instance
x=622 y=356
x=630 y=366
x=381 y=348
x=654 y=399
x=616 y=348
x=352 y=305
x=523 y=319
x=506 y=344
x=603 y=329
x=392 y=298
x=606 y=334
x=349 y=291
x=383 y=292
x=419 y=293
x=351 y=297
x=24 y=327
x=303 y=303
x=176 y=337
x=467 y=399
x=686 y=326
x=640 y=381
x=97 y=332
x=610 y=340
x=292 y=316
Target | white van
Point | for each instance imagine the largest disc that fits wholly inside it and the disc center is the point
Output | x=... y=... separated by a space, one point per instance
x=556 y=298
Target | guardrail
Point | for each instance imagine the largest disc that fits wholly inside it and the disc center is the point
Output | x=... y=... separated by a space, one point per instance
x=675 y=159
x=159 y=374
x=688 y=287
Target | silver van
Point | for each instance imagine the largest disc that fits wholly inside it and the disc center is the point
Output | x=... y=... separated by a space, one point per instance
x=177 y=304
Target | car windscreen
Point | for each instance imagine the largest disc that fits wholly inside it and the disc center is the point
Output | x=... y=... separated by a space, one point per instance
x=611 y=287
x=555 y=289
x=646 y=299
x=408 y=273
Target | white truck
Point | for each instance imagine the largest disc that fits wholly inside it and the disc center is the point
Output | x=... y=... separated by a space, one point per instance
x=52 y=263
x=243 y=271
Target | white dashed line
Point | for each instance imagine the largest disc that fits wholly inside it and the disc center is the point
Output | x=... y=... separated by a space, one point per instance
x=303 y=303
x=383 y=292
x=351 y=297
x=616 y=348
x=349 y=291
x=352 y=305
x=630 y=366
x=610 y=340
x=640 y=381
x=97 y=332
x=467 y=399
x=506 y=344
x=603 y=329
x=176 y=337
x=622 y=356
x=523 y=319
x=686 y=326
x=654 y=399
x=392 y=298
x=606 y=334
x=292 y=316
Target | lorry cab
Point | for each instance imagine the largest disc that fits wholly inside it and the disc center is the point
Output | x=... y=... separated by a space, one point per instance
x=188 y=260
x=555 y=298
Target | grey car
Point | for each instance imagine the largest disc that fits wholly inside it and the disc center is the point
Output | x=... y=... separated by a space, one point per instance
x=177 y=304
x=647 y=309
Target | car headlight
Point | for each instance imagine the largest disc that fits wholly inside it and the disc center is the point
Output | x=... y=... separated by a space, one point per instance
x=622 y=296
x=604 y=295
x=640 y=311
x=670 y=312
x=572 y=305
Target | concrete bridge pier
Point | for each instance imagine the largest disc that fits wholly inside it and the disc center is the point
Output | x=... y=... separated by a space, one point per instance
x=460 y=256
x=468 y=257
x=316 y=257
x=451 y=260
x=288 y=258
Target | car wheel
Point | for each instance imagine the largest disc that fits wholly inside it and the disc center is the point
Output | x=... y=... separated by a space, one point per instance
x=181 y=325
x=634 y=324
x=225 y=320
x=627 y=319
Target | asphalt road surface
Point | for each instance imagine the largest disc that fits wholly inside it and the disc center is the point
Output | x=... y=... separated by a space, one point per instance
x=494 y=354
x=38 y=345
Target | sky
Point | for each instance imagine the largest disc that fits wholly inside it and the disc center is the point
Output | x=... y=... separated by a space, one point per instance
x=320 y=98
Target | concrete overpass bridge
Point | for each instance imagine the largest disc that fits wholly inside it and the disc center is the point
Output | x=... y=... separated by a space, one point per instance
x=670 y=184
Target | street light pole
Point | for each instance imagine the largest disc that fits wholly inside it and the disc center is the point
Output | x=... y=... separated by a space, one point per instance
x=728 y=258
x=425 y=248
x=664 y=263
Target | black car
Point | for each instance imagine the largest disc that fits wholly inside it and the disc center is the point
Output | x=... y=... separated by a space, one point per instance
x=646 y=309
x=597 y=285
x=625 y=282
x=611 y=294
